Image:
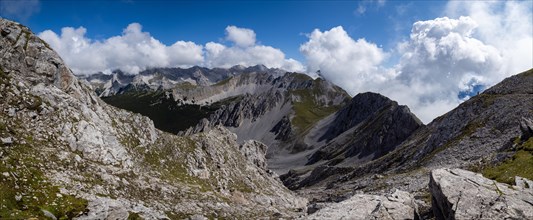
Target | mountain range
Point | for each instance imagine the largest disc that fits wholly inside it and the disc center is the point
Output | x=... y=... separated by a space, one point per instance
x=248 y=142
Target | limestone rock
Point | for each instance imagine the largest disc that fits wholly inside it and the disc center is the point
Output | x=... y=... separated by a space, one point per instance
x=398 y=205
x=112 y=162
x=460 y=194
x=255 y=152
x=7 y=140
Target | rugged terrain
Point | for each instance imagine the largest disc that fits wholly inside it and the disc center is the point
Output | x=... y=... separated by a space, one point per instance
x=66 y=154
x=304 y=122
x=212 y=135
x=490 y=133
x=256 y=103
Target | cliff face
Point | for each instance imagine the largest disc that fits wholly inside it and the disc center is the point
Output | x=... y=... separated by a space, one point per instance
x=66 y=154
x=369 y=127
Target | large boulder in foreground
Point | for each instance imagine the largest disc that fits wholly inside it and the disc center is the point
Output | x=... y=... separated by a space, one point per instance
x=398 y=205
x=461 y=194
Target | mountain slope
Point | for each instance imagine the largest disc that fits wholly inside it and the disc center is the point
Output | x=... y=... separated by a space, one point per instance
x=66 y=154
x=256 y=103
x=365 y=130
x=480 y=132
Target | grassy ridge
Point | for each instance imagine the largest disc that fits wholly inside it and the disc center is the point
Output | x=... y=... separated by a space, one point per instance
x=521 y=164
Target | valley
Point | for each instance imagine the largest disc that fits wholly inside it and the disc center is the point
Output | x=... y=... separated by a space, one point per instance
x=248 y=143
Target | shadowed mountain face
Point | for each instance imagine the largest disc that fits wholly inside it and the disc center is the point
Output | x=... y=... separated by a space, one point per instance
x=369 y=127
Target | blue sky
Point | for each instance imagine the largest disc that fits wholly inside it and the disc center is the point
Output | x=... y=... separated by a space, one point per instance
x=281 y=24
x=428 y=55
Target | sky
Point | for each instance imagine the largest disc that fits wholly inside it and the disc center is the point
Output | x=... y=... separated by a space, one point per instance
x=428 y=55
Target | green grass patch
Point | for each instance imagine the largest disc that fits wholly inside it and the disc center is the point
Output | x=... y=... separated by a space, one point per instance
x=223 y=82
x=528 y=73
x=26 y=191
x=521 y=164
x=27 y=36
x=307 y=108
x=186 y=86
x=300 y=77
x=165 y=112
x=134 y=216
x=174 y=169
x=308 y=111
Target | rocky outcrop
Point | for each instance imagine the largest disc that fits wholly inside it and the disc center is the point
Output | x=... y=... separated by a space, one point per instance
x=397 y=205
x=255 y=152
x=373 y=125
x=67 y=152
x=526 y=127
x=460 y=194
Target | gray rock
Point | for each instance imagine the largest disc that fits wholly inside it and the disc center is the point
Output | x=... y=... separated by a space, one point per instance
x=524 y=183
x=116 y=160
x=526 y=126
x=460 y=194
x=398 y=205
x=255 y=152
x=49 y=214
x=7 y=141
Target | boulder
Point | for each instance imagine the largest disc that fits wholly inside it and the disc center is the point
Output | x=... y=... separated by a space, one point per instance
x=398 y=205
x=7 y=141
x=461 y=194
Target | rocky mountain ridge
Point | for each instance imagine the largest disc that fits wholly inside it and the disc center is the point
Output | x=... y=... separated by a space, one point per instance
x=488 y=133
x=67 y=154
x=293 y=114
x=118 y=82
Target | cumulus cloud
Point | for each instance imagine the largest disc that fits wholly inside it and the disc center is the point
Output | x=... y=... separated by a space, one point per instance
x=442 y=60
x=19 y=9
x=351 y=64
x=507 y=25
x=132 y=51
x=446 y=58
x=240 y=36
x=246 y=52
x=135 y=50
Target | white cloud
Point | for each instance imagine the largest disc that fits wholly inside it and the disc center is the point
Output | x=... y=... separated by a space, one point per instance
x=19 y=9
x=506 y=25
x=442 y=58
x=363 y=5
x=218 y=55
x=242 y=37
x=245 y=52
x=361 y=9
x=351 y=64
x=132 y=51
x=135 y=50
